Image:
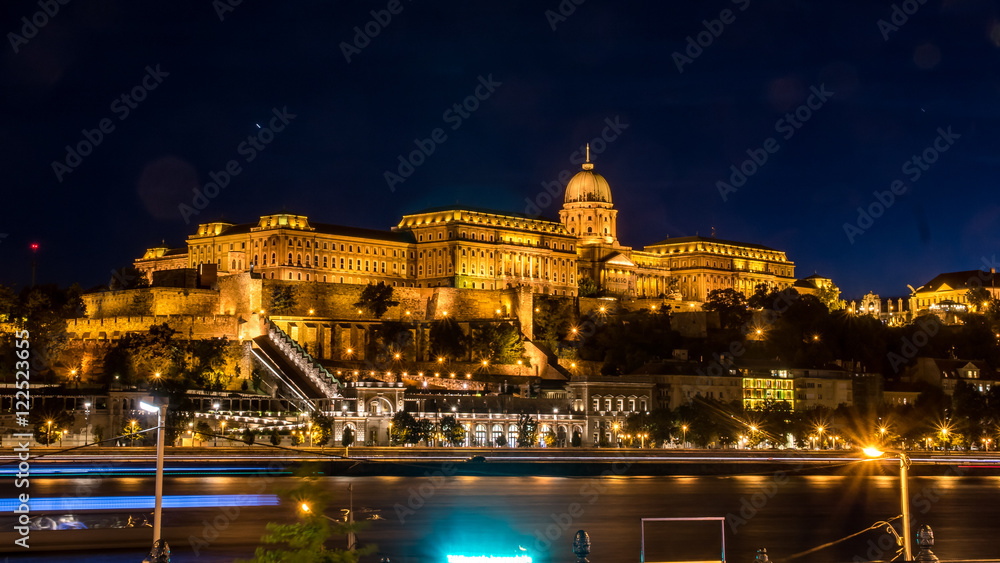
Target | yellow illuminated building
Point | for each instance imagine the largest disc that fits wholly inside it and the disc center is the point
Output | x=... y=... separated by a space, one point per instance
x=471 y=248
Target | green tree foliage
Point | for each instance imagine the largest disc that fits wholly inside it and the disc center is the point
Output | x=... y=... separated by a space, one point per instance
x=347 y=436
x=977 y=296
x=405 y=429
x=42 y=311
x=128 y=277
x=304 y=541
x=275 y=437
x=830 y=297
x=45 y=433
x=393 y=337
x=139 y=356
x=249 y=436
x=497 y=342
x=626 y=342
x=376 y=299
x=452 y=430
x=283 y=300
x=587 y=287
x=527 y=431
x=447 y=339
x=203 y=431
x=322 y=429
x=731 y=306
x=553 y=320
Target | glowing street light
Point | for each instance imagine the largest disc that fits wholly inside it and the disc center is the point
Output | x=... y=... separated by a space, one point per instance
x=904 y=493
x=48 y=433
x=684 y=430
x=161 y=415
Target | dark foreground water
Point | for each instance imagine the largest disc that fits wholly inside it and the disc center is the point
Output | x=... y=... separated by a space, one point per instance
x=426 y=518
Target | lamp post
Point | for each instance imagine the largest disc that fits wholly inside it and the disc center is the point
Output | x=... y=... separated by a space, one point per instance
x=684 y=430
x=904 y=492
x=86 y=423
x=215 y=438
x=48 y=433
x=819 y=431
x=161 y=415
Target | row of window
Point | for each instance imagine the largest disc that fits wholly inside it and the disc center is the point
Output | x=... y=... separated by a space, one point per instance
x=619 y=402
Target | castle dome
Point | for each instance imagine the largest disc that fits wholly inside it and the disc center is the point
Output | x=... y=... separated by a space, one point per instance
x=587 y=185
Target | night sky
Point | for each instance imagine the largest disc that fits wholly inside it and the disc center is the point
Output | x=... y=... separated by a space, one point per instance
x=888 y=94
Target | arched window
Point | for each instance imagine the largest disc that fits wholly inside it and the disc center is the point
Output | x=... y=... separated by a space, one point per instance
x=497 y=434
x=480 y=435
x=512 y=435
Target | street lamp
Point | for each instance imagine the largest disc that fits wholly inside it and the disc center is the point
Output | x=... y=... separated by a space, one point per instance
x=684 y=430
x=819 y=430
x=161 y=415
x=904 y=492
x=48 y=433
x=86 y=423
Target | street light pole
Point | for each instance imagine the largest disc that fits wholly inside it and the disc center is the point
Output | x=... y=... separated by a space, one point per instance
x=904 y=492
x=904 y=465
x=161 y=416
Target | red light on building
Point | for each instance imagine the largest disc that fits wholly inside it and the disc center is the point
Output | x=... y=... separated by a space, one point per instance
x=34 y=246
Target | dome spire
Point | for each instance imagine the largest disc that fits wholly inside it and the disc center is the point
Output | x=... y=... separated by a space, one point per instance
x=588 y=165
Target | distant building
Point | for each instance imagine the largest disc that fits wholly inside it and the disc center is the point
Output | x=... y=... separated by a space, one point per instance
x=801 y=389
x=946 y=295
x=946 y=373
x=891 y=311
x=471 y=248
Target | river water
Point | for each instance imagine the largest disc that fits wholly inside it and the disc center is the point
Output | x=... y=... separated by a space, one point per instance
x=424 y=519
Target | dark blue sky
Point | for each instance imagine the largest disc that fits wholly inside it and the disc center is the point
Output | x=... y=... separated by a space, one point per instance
x=605 y=61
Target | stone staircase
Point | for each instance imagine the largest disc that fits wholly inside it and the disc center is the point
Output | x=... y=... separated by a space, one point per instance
x=298 y=369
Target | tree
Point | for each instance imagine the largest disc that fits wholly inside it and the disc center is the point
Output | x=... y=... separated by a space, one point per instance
x=527 y=431
x=44 y=432
x=447 y=339
x=497 y=343
x=553 y=320
x=282 y=299
x=304 y=541
x=978 y=295
x=347 y=436
x=128 y=277
x=577 y=440
x=731 y=306
x=322 y=429
x=829 y=295
x=405 y=429
x=452 y=430
x=376 y=299
x=275 y=437
x=586 y=287
x=249 y=436
x=202 y=432
x=98 y=434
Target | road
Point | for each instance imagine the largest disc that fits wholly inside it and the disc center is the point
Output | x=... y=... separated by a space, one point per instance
x=425 y=518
